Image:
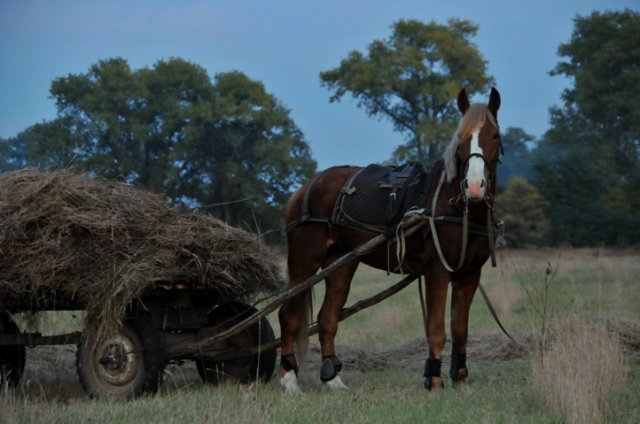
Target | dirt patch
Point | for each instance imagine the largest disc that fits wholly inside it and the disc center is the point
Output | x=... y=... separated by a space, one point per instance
x=413 y=353
x=57 y=363
x=496 y=347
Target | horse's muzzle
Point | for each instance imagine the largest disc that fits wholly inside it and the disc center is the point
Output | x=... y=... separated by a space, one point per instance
x=474 y=190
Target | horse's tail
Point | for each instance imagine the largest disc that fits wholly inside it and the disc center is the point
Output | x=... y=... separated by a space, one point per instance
x=303 y=331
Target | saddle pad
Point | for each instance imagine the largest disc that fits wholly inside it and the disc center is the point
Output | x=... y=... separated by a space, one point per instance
x=365 y=199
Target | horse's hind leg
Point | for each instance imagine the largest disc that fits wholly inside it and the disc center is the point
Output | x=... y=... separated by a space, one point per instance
x=337 y=291
x=291 y=317
x=306 y=253
x=461 y=298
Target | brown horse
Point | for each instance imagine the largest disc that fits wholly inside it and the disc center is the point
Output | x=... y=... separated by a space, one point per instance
x=463 y=180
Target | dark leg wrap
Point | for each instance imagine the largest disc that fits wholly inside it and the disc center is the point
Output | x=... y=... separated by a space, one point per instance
x=431 y=369
x=288 y=362
x=331 y=366
x=458 y=362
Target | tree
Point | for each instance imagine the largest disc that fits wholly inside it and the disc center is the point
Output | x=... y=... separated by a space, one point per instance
x=411 y=78
x=52 y=144
x=518 y=156
x=13 y=153
x=173 y=130
x=588 y=161
x=126 y=124
x=524 y=212
x=602 y=59
x=573 y=182
x=254 y=153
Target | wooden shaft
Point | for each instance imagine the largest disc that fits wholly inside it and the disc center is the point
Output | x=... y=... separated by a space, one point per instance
x=345 y=313
x=365 y=248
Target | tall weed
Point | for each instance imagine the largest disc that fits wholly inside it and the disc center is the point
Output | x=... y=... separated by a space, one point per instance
x=579 y=371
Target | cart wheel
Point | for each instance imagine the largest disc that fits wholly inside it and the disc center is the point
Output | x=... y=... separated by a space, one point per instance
x=243 y=370
x=124 y=366
x=12 y=358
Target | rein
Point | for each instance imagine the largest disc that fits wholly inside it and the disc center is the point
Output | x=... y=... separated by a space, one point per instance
x=465 y=230
x=465 y=236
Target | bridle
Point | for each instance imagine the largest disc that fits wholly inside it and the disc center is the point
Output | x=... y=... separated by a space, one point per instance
x=489 y=200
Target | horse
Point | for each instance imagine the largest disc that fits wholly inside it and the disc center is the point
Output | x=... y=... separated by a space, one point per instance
x=467 y=172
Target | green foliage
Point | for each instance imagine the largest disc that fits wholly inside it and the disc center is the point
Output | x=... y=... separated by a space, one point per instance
x=12 y=153
x=603 y=56
x=524 y=212
x=256 y=153
x=172 y=130
x=574 y=180
x=589 y=161
x=518 y=156
x=411 y=78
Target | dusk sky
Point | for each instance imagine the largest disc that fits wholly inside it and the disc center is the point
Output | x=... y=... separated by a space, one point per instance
x=285 y=44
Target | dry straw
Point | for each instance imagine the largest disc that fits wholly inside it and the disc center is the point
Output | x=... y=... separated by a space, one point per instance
x=579 y=370
x=74 y=240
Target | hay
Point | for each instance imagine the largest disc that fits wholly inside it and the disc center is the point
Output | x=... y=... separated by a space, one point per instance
x=67 y=238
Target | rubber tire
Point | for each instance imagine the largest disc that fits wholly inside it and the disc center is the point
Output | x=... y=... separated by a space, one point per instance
x=148 y=361
x=12 y=357
x=243 y=370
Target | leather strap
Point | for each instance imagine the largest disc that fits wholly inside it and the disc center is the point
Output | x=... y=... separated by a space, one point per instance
x=436 y=241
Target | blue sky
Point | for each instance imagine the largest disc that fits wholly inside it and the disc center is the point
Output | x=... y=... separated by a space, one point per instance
x=285 y=44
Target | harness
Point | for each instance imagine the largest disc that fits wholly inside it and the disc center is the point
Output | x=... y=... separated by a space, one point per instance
x=486 y=229
x=358 y=203
x=464 y=221
x=404 y=189
x=401 y=188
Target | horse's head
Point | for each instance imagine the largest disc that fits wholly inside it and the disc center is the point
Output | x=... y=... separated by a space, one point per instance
x=475 y=147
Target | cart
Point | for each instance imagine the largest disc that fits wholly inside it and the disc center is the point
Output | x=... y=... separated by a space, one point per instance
x=164 y=321
x=175 y=322
x=172 y=318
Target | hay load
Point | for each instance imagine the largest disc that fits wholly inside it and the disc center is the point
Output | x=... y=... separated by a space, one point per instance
x=70 y=239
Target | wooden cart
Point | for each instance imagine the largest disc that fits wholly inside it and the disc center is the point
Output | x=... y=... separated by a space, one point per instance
x=171 y=322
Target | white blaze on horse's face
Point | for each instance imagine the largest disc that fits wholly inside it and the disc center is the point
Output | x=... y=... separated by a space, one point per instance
x=475 y=183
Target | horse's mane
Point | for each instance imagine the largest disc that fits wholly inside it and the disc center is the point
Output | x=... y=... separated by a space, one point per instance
x=472 y=120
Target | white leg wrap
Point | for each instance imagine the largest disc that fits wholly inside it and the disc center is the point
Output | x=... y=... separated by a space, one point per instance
x=290 y=382
x=336 y=384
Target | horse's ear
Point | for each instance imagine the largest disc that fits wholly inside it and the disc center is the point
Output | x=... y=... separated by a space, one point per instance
x=494 y=101
x=463 y=101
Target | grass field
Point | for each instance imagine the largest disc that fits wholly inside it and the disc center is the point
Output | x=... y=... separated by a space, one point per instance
x=582 y=285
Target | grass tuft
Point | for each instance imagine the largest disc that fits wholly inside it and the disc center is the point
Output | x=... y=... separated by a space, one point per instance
x=580 y=371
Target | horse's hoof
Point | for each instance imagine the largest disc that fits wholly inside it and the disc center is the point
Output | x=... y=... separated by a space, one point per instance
x=459 y=376
x=290 y=383
x=433 y=384
x=336 y=384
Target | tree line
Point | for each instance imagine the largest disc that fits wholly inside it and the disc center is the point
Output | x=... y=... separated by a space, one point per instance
x=227 y=146
x=223 y=145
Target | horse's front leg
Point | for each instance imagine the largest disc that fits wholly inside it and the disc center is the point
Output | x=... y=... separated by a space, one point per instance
x=462 y=294
x=436 y=293
x=337 y=291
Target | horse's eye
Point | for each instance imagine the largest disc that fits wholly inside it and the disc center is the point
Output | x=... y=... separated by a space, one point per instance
x=496 y=136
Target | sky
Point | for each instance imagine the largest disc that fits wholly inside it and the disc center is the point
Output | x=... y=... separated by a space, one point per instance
x=285 y=44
